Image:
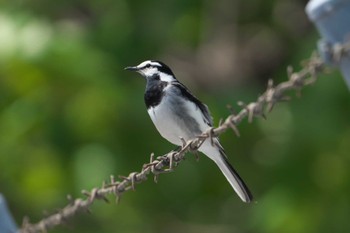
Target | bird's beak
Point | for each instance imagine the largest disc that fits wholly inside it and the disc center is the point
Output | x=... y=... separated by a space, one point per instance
x=131 y=68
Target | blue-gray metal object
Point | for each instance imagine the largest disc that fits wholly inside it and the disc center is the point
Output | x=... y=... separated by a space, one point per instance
x=332 y=19
x=7 y=225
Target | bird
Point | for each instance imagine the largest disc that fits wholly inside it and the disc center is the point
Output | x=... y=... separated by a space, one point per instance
x=178 y=115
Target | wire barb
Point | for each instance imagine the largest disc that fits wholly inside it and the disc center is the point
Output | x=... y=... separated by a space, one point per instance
x=230 y=122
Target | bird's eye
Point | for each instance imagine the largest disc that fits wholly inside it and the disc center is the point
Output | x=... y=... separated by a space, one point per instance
x=148 y=65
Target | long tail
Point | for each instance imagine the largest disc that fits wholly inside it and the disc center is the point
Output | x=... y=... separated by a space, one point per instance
x=234 y=179
x=217 y=154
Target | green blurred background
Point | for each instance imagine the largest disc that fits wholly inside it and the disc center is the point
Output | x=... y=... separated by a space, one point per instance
x=71 y=116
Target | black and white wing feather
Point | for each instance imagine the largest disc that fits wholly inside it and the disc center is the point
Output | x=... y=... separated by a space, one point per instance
x=189 y=96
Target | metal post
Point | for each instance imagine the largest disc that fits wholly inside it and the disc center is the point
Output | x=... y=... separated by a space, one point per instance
x=332 y=19
x=7 y=225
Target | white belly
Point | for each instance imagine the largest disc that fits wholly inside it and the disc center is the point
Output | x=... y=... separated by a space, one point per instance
x=175 y=121
x=167 y=126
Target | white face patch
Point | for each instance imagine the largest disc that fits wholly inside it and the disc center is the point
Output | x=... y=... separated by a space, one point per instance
x=149 y=68
x=166 y=77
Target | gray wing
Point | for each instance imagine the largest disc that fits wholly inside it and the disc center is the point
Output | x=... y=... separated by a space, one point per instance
x=188 y=95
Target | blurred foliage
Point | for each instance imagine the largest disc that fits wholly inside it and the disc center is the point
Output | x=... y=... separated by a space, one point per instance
x=71 y=116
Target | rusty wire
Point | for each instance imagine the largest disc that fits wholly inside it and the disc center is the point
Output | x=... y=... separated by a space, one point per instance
x=167 y=162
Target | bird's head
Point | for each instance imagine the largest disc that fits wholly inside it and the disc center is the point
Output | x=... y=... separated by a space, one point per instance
x=153 y=69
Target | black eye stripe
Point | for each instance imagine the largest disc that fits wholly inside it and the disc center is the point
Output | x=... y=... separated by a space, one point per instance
x=159 y=66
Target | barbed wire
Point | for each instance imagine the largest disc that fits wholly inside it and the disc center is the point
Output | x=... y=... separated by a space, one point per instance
x=167 y=162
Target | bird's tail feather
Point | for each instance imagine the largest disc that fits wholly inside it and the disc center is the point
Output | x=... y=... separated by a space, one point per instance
x=234 y=179
x=218 y=155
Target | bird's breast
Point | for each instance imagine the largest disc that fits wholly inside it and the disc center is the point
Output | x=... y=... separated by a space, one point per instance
x=174 y=119
x=154 y=93
x=166 y=123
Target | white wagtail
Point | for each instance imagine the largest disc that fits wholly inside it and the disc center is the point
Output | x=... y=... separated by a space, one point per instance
x=177 y=114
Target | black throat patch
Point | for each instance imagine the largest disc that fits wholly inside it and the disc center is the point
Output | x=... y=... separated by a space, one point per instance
x=154 y=92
